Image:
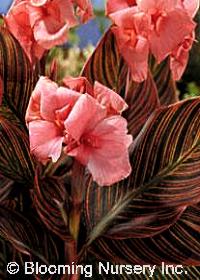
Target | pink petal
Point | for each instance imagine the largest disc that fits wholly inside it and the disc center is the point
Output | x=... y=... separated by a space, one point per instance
x=38 y=3
x=110 y=99
x=153 y=5
x=18 y=22
x=126 y=18
x=179 y=57
x=81 y=153
x=109 y=163
x=163 y=41
x=55 y=14
x=47 y=90
x=79 y=84
x=84 y=116
x=191 y=7
x=33 y=110
x=114 y=6
x=84 y=10
x=66 y=12
x=45 y=140
x=135 y=56
x=54 y=99
x=48 y=39
x=178 y=65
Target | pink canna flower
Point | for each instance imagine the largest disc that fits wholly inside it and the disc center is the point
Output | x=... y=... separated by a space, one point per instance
x=145 y=26
x=51 y=21
x=60 y=117
x=165 y=17
x=131 y=32
x=100 y=142
x=41 y=24
x=105 y=96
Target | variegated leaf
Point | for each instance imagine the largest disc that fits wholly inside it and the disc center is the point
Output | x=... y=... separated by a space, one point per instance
x=156 y=207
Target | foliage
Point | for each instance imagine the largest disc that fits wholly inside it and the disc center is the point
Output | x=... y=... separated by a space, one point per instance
x=56 y=214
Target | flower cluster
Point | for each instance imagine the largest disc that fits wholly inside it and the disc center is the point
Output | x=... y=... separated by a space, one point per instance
x=41 y=24
x=163 y=28
x=84 y=122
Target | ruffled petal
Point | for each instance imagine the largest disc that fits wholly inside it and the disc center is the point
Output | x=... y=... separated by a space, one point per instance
x=179 y=57
x=48 y=39
x=84 y=116
x=38 y=3
x=110 y=99
x=67 y=14
x=54 y=98
x=126 y=18
x=17 y=21
x=84 y=10
x=79 y=84
x=45 y=140
x=114 y=6
x=109 y=163
x=163 y=41
x=160 y=5
x=47 y=90
x=191 y=6
x=33 y=110
x=135 y=56
x=178 y=65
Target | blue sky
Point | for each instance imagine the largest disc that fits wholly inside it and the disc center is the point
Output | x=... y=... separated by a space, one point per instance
x=4 y=6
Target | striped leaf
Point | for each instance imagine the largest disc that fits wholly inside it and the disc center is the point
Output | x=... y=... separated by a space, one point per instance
x=6 y=186
x=51 y=202
x=17 y=74
x=15 y=160
x=165 y=84
x=157 y=206
x=4 y=259
x=28 y=238
x=177 y=245
x=107 y=66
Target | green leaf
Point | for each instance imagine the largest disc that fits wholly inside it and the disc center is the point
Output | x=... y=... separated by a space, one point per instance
x=17 y=74
x=164 y=187
x=107 y=66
